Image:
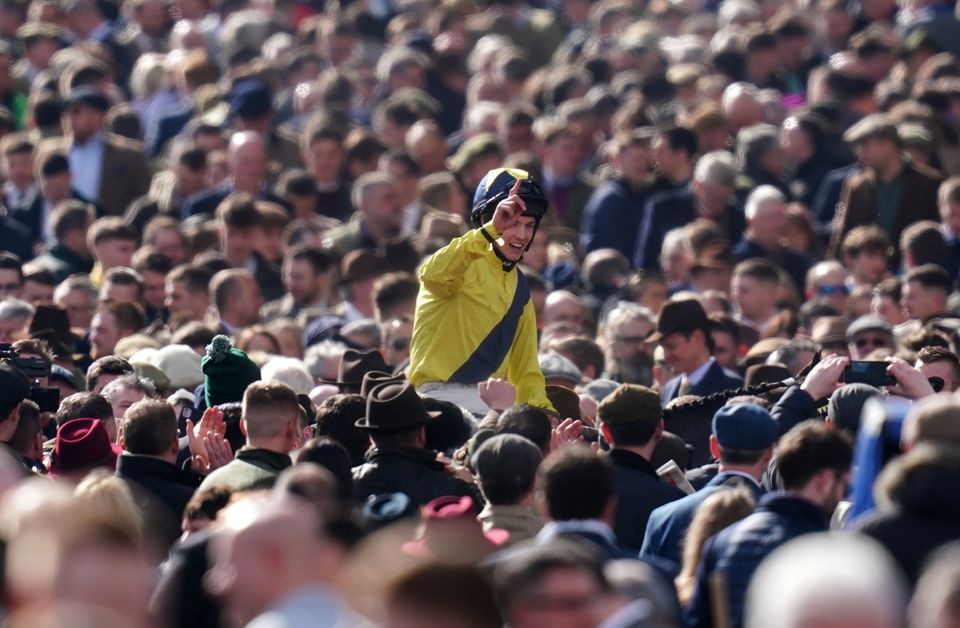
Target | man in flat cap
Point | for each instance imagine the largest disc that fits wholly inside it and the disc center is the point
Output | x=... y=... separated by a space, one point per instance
x=891 y=191
x=107 y=169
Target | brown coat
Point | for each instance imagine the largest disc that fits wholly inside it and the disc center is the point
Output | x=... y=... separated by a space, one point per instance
x=858 y=203
x=125 y=175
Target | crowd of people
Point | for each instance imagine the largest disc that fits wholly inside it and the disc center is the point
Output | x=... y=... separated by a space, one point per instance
x=474 y=313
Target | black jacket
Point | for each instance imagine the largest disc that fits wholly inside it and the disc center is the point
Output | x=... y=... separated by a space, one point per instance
x=919 y=506
x=161 y=492
x=639 y=492
x=163 y=480
x=180 y=599
x=414 y=472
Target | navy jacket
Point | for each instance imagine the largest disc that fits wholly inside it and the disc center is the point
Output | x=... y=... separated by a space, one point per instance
x=639 y=492
x=795 y=406
x=717 y=379
x=824 y=206
x=669 y=210
x=612 y=217
x=168 y=126
x=206 y=202
x=738 y=550
x=668 y=524
x=15 y=238
x=795 y=264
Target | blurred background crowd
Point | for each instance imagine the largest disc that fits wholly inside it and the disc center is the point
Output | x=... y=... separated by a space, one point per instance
x=212 y=216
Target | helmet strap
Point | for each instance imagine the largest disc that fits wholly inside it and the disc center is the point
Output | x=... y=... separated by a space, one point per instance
x=509 y=264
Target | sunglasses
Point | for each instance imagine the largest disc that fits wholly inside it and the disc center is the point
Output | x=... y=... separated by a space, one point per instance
x=831 y=290
x=875 y=341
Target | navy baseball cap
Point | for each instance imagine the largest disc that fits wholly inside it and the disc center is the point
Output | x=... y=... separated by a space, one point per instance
x=250 y=99
x=745 y=426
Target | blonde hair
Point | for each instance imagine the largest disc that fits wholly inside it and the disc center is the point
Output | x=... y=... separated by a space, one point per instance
x=111 y=499
x=718 y=511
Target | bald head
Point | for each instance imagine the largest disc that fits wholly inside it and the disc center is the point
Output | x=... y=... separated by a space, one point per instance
x=563 y=306
x=265 y=548
x=248 y=161
x=425 y=143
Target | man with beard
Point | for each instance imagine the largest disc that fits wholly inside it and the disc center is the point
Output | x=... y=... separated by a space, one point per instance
x=629 y=357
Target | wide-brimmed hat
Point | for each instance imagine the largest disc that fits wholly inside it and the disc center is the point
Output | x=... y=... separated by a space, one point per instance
x=451 y=530
x=373 y=379
x=355 y=364
x=81 y=445
x=394 y=407
x=684 y=315
x=51 y=324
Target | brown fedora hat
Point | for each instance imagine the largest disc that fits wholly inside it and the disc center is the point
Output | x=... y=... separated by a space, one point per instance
x=354 y=365
x=684 y=315
x=374 y=378
x=394 y=407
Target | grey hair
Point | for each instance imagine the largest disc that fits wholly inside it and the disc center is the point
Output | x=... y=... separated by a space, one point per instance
x=718 y=168
x=365 y=186
x=277 y=45
x=395 y=59
x=322 y=355
x=625 y=311
x=731 y=10
x=12 y=309
x=761 y=196
x=753 y=144
x=478 y=114
x=131 y=381
x=75 y=282
x=486 y=48
x=848 y=577
x=366 y=326
x=246 y=29
x=289 y=371
x=734 y=91
x=672 y=239
x=148 y=75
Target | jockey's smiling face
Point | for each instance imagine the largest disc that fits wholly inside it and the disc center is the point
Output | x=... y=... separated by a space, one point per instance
x=517 y=237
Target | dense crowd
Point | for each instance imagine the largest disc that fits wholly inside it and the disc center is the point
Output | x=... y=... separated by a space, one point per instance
x=474 y=313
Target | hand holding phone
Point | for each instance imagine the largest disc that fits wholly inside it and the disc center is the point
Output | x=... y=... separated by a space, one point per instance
x=870 y=373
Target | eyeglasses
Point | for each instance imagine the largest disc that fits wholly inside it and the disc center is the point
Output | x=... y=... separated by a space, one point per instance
x=875 y=341
x=399 y=344
x=831 y=290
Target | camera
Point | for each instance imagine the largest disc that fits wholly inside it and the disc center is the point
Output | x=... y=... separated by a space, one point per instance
x=47 y=397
